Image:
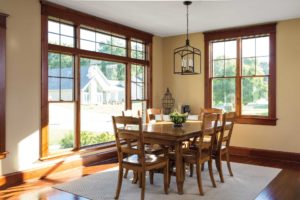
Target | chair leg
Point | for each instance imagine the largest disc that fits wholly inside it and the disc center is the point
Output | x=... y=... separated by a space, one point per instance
x=211 y=173
x=143 y=181
x=135 y=177
x=126 y=173
x=219 y=167
x=120 y=178
x=140 y=179
x=166 y=178
x=228 y=163
x=199 y=179
x=151 y=174
x=191 y=170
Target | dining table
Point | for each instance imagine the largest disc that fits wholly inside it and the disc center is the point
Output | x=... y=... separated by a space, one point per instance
x=164 y=133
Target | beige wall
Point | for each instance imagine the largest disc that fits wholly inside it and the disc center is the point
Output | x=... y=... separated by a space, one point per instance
x=23 y=83
x=283 y=137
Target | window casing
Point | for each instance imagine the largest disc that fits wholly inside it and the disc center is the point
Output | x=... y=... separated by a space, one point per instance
x=240 y=73
x=72 y=68
x=2 y=83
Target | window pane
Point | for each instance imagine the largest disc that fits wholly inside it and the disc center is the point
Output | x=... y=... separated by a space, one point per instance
x=218 y=50
x=103 y=38
x=248 y=47
x=230 y=67
x=104 y=48
x=118 y=42
x=118 y=51
x=87 y=35
x=61 y=127
x=67 y=64
x=262 y=66
x=102 y=86
x=230 y=49
x=53 y=27
x=140 y=73
x=53 y=64
x=133 y=73
x=139 y=90
x=248 y=67
x=133 y=91
x=133 y=54
x=87 y=45
x=140 y=47
x=67 y=88
x=133 y=45
x=255 y=96
x=53 y=38
x=262 y=46
x=53 y=89
x=67 y=30
x=218 y=68
x=223 y=94
x=140 y=55
x=67 y=41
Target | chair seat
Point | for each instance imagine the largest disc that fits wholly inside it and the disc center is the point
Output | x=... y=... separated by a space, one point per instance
x=189 y=155
x=150 y=159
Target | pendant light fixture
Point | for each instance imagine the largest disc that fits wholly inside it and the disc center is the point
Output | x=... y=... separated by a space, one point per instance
x=187 y=59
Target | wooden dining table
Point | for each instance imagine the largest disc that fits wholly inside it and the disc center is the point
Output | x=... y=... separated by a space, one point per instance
x=167 y=134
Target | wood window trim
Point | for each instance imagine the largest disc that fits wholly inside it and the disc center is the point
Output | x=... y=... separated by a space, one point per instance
x=78 y=18
x=227 y=34
x=3 y=18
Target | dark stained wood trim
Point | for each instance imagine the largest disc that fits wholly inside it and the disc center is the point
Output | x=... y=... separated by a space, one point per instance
x=238 y=33
x=267 y=154
x=79 y=18
x=16 y=178
x=3 y=17
x=149 y=76
x=95 y=55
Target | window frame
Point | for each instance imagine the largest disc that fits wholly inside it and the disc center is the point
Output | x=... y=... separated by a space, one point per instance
x=239 y=34
x=3 y=18
x=82 y=20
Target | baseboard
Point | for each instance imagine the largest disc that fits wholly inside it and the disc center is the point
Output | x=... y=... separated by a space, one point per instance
x=266 y=154
x=20 y=177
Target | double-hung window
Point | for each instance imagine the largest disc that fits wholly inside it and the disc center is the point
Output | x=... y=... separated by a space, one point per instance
x=241 y=73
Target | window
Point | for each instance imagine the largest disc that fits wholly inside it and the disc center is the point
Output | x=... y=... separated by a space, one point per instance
x=102 y=42
x=240 y=73
x=138 y=50
x=2 y=84
x=88 y=75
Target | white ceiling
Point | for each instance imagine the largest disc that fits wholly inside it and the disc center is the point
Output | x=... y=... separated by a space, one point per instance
x=167 y=18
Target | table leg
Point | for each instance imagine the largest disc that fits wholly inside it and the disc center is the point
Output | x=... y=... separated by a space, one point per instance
x=179 y=168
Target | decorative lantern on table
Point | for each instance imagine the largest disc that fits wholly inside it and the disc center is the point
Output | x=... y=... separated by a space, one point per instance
x=168 y=102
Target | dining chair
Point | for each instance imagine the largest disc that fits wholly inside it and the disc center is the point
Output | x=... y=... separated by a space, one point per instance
x=136 y=159
x=223 y=142
x=151 y=112
x=198 y=155
x=206 y=139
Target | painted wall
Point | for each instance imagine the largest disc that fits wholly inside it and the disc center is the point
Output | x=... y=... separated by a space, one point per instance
x=23 y=83
x=283 y=137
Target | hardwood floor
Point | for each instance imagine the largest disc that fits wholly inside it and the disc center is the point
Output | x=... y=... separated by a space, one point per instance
x=285 y=186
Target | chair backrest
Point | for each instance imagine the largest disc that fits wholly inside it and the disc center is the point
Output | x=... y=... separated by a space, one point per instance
x=129 y=129
x=131 y=113
x=209 y=128
x=212 y=110
x=151 y=112
x=227 y=129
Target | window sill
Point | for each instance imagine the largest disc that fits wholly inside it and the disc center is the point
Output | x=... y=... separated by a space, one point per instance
x=3 y=155
x=82 y=151
x=257 y=121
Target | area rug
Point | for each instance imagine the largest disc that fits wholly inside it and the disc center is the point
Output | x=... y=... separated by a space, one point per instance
x=247 y=182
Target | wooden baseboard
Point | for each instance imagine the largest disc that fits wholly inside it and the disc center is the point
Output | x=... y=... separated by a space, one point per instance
x=266 y=154
x=19 y=177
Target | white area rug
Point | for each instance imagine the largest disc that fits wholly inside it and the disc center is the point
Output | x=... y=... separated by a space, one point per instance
x=247 y=183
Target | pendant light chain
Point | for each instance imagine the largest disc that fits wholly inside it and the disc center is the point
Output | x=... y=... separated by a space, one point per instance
x=187 y=22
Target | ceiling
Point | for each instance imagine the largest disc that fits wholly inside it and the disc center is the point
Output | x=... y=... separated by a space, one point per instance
x=168 y=18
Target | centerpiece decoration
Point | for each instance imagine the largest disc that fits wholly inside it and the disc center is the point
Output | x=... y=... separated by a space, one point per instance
x=178 y=119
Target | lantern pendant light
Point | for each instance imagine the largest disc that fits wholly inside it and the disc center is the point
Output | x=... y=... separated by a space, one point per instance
x=187 y=59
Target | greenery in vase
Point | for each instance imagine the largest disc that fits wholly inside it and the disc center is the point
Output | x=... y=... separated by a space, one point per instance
x=178 y=118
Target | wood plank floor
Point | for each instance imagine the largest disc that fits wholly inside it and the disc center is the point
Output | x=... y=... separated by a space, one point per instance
x=285 y=186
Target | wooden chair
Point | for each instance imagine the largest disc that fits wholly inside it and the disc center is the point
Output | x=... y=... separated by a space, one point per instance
x=197 y=155
x=223 y=142
x=151 y=112
x=130 y=129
